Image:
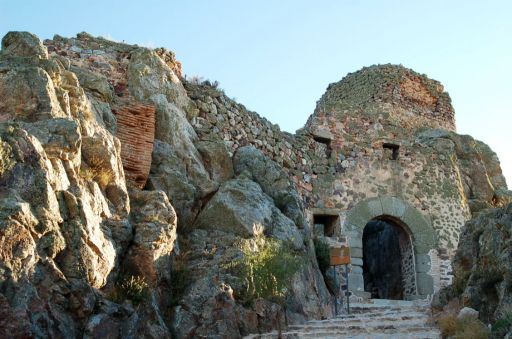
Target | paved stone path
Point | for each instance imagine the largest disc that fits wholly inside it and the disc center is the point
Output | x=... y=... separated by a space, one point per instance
x=373 y=319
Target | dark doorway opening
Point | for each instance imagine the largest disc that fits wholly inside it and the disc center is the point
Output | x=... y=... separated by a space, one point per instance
x=385 y=252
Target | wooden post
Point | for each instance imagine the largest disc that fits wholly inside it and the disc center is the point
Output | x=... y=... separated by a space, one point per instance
x=336 y=292
x=339 y=256
x=348 y=291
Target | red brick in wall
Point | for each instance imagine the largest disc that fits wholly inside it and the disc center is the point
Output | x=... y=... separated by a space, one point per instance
x=136 y=131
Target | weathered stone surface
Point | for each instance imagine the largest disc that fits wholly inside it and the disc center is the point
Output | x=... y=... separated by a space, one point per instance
x=70 y=232
x=169 y=174
x=23 y=44
x=123 y=321
x=13 y=324
x=273 y=180
x=216 y=160
x=95 y=83
x=154 y=227
x=64 y=207
x=148 y=75
x=482 y=265
x=28 y=94
x=240 y=206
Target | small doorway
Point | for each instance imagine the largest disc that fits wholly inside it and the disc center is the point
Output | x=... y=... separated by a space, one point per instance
x=388 y=260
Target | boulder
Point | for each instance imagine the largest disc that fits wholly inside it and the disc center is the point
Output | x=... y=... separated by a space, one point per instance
x=148 y=75
x=216 y=159
x=273 y=180
x=482 y=266
x=467 y=312
x=23 y=44
x=240 y=207
x=96 y=84
x=169 y=174
x=28 y=94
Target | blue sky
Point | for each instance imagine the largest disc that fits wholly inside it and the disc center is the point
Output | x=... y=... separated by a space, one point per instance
x=277 y=57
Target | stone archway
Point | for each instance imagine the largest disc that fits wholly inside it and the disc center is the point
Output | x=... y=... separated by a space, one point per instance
x=419 y=229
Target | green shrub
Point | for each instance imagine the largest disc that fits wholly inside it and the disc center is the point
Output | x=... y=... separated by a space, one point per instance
x=133 y=288
x=266 y=268
x=322 y=252
x=502 y=326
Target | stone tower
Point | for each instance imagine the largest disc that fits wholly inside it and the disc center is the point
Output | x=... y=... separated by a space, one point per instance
x=400 y=182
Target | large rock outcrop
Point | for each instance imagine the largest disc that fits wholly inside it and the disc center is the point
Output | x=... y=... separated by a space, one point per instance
x=241 y=212
x=67 y=235
x=483 y=266
x=84 y=252
x=128 y=195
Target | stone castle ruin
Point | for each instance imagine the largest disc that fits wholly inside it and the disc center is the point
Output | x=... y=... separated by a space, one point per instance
x=114 y=165
x=380 y=151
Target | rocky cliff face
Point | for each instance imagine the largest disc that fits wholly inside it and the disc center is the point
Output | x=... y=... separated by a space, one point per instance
x=483 y=266
x=116 y=218
x=135 y=203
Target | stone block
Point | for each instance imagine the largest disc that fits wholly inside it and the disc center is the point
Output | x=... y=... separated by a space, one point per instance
x=393 y=206
x=355 y=238
x=319 y=230
x=374 y=208
x=422 y=263
x=356 y=269
x=361 y=294
x=356 y=252
x=425 y=284
x=355 y=282
x=356 y=261
x=359 y=215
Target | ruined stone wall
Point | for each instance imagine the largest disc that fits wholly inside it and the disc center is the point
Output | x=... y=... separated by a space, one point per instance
x=342 y=156
x=388 y=141
x=221 y=118
x=345 y=153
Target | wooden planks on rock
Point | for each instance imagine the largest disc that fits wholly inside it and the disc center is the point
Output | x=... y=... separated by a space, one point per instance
x=136 y=131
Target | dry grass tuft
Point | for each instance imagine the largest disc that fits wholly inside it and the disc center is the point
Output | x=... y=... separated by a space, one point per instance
x=467 y=328
x=97 y=170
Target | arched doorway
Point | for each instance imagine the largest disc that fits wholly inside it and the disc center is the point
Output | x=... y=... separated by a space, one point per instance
x=418 y=239
x=388 y=260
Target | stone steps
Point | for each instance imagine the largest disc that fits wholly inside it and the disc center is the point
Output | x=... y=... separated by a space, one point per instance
x=373 y=319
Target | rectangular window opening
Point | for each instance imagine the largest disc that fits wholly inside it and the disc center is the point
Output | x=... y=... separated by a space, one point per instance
x=327 y=222
x=391 y=151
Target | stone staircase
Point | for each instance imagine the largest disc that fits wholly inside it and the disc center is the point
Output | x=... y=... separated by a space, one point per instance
x=375 y=318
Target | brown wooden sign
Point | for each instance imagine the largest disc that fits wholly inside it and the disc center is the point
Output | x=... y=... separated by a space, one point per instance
x=340 y=256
